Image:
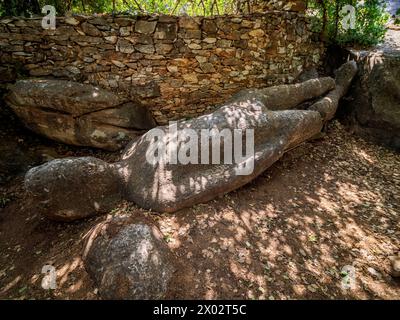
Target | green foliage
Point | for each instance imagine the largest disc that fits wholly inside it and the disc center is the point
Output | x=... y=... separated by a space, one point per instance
x=189 y=7
x=4 y=201
x=19 y=7
x=371 y=19
x=397 y=19
x=370 y=25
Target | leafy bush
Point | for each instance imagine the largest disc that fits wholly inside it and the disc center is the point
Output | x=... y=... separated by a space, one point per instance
x=397 y=20
x=370 y=27
x=19 y=7
x=189 y=7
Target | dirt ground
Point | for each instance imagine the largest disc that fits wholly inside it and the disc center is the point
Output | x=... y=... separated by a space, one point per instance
x=328 y=204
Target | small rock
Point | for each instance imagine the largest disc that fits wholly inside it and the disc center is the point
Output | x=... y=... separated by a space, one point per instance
x=119 y=64
x=91 y=30
x=111 y=39
x=373 y=272
x=146 y=48
x=257 y=33
x=71 y=21
x=146 y=27
x=210 y=40
x=194 y=46
x=201 y=59
x=124 y=31
x=172 y=69
x=191 y=77
x=313 y=288
x=207 y=67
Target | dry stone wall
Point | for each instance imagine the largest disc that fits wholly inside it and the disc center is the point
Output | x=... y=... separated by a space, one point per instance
x=178 y=67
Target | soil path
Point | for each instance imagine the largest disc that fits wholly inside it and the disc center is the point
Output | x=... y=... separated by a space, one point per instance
x=328 y=204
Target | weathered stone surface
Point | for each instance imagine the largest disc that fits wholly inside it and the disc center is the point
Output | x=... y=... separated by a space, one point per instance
x=144 y=26
x=77 y=114
x=167 y=31
x=286 y=97
x=57 y=188
x=125 y=31
x=164 y=48
x=245 y=51
x=207 y=67
x=376 y=96
x=147 y=90
x=67 y=97
x=112 y=39
x=128 y=115
x=90 y=30
x=209 y=27
x=328 y=105
x=125 y=46
x=145 y=48
x=118 y=64
x=128 y=260
x=188 y=23
x=167 y=185
x=308 y=75
x=72 y=21
x=98 y=21
x=124 y=21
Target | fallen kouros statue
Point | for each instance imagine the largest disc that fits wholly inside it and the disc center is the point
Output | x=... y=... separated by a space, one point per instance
x=180 y=165
x=78 y=114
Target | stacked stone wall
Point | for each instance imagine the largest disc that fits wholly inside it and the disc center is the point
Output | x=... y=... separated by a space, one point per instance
x=178 y=67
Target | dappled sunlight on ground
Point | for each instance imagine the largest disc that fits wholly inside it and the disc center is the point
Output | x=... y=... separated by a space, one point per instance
x=328 y=204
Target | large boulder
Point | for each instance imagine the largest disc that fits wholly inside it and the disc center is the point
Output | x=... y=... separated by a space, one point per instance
x=74 y=188
x=375 y=107
x=128 y=260
x=78 y=114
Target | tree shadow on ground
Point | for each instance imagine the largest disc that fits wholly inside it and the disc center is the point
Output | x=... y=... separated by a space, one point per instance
x=289 y=233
